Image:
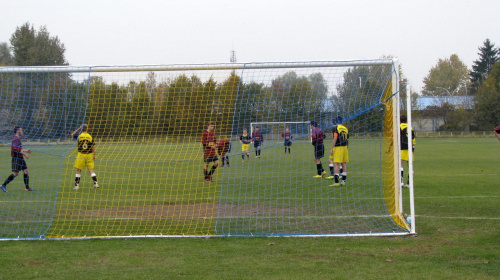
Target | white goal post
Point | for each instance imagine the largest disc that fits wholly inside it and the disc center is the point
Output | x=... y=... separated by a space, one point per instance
x=271 y=131
x=157 y=179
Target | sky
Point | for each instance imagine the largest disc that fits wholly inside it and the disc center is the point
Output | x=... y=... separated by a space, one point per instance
x=162 y=32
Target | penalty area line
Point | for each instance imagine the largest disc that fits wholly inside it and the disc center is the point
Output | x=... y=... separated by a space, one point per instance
x=459 y=218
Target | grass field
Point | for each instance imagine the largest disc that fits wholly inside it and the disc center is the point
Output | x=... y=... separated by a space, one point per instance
x=152 y=188
x=456 y=197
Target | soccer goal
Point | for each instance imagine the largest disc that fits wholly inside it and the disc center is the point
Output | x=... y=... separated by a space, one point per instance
x=274 y=133
x=147 y=123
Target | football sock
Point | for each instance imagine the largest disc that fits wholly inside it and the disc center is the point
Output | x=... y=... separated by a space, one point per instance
x=336 y=177
x=212 y=170
x=319 y=168
x=9 y=179
x=243 y=157
x=77 y=179
x=340 y=169
x=205 y=173
x=94 y=177
x=27 y=180
x=402 y=180
x=331 y=169
x=344 y=176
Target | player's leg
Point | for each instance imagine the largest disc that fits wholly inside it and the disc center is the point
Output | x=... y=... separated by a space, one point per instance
x=336 y=171
x=12 y=176
x=77 y=178
x=205 y=170
x=79 y=164
x=94 y=177
x=212 y=170
x=26 y=180
x=404 y=158
x=330 y=165
x=318 y=154
x=343 y=173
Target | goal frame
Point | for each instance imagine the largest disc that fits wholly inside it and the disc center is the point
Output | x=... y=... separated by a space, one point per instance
x=252 y=124
x=394 y=63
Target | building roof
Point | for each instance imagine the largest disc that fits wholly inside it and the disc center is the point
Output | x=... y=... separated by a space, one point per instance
x=425 y=101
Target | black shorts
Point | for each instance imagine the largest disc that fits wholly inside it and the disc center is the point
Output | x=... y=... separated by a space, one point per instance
x=319 y=151
x=18 y=164
x=257 y=144
x=288 y=143
x=210 y=159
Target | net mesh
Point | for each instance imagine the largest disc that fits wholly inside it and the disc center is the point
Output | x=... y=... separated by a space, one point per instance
x=147 y=124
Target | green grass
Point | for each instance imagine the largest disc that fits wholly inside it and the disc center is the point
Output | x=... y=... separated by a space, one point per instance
x=456 y=201
x=158 y=189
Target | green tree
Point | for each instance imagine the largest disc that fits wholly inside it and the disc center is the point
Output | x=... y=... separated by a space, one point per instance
x=488 y=55
x=36 y=48
x=223 y=108
x=5 y=55
x=448 y=77
x=295 y=97
x=250 y=105
x=487 y=110
x=458 y=119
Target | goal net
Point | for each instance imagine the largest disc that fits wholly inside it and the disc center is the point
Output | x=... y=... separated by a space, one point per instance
x=147 y=124
x=277 y=133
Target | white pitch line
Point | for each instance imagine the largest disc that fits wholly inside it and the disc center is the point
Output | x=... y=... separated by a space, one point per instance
x=267 y=200
x=459 y=218
x=454 y=197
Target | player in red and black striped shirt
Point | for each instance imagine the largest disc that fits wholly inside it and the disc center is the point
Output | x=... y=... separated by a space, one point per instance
x=18 y=163
x=257 y=141
x=319 y=148
x=209 y=143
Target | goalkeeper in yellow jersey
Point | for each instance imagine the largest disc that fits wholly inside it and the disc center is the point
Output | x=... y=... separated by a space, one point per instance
x=245 y=140
x=403 y=126
x=86 y=155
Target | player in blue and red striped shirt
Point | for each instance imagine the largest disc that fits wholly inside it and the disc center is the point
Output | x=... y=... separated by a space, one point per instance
x=224 y=148
x=18 y=163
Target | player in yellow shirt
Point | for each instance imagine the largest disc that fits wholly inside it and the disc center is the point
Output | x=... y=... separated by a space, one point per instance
x=404 y=146
x=245 y=140
x=86 y=155
x=339 y=153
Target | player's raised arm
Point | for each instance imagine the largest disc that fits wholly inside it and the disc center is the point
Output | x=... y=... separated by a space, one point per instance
x=74 y=133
